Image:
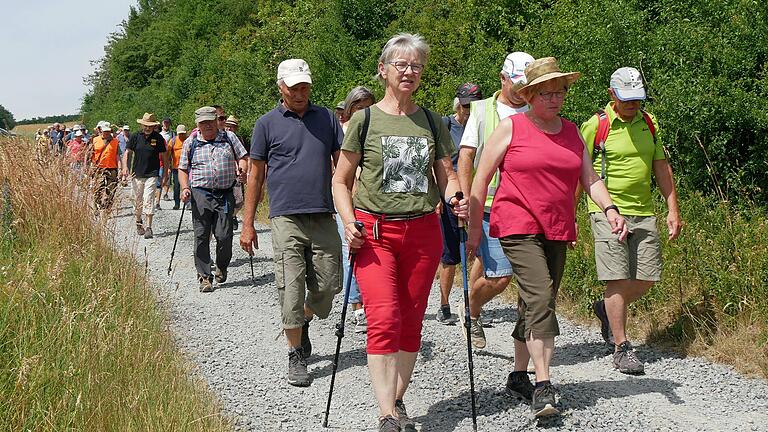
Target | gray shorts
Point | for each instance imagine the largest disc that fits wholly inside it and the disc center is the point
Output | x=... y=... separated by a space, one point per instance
x=307 y=254
x=638 y=257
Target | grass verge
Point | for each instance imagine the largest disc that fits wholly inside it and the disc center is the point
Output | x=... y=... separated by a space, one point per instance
x=83 y=345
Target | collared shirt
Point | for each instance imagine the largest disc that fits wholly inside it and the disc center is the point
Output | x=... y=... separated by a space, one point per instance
x=629 y=152
x=298 y=152
x=214 y=163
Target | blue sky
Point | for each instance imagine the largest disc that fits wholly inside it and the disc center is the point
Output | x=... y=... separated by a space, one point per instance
x=46 y=51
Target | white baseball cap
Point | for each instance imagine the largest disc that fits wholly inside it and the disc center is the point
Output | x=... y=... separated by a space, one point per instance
x=106 y=127
x=79 y=133
x=294 y=71
x=627 y=84
x=181 y=129
x=515 y=64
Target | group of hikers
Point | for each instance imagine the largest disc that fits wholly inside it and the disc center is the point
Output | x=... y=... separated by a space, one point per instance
x=396 y=184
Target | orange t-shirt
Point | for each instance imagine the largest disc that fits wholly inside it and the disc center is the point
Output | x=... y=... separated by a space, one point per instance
x=176 y=145
x=105 y=157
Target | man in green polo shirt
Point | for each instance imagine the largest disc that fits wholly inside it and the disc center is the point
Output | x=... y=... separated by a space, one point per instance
x=632 y=151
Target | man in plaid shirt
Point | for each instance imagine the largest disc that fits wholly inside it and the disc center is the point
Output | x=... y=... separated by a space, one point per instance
x=209 y=165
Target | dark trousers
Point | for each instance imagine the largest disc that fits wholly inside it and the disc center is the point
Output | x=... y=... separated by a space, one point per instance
x=176 y=187
x=212 y=213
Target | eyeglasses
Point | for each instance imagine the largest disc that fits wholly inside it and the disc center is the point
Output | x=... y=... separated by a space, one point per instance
x=556 y=94
x=402 y=66
x=222 y=118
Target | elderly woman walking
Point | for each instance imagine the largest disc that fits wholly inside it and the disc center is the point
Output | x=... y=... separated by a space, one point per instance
x=541 y=158
x=404 y=153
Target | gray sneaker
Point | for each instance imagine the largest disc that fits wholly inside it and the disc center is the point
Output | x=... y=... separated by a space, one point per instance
x=475 y=329
x=626 y=361
x=389 y=424
x=444 y=315
x=148 y=233
x=519 y=386
x=297 y=369
x=544 y=401
x=205 y=285
x=361 y=323
x=406 y=424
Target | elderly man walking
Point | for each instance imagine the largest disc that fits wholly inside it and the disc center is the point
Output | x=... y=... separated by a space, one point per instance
x=146 y=147
x=208 y=167
x=299 y=141
x=626 y=149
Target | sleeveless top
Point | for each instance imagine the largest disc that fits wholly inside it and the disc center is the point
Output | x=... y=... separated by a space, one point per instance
x=538 y=180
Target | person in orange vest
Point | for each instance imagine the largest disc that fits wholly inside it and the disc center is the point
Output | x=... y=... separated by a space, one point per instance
x=175 y=146
x=104 y=160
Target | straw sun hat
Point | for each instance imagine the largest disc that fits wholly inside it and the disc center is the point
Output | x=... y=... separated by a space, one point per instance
x=148 y=119
x=545 y=69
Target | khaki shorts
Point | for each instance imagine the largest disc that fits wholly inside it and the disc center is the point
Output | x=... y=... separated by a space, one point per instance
x=538 y=266
x=307 y=254
x=638 y=257
x=144 y=189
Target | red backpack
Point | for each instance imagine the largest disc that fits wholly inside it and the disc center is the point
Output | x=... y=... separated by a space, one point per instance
x=603 y=128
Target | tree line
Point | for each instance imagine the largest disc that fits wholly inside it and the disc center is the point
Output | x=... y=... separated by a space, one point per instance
x=705 y=62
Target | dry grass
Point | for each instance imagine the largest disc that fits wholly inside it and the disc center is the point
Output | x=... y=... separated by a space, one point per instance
x=83 y=345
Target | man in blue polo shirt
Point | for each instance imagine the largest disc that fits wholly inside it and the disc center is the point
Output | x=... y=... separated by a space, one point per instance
x=300 y=143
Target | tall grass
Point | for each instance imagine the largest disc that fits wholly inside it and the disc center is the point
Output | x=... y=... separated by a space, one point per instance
x=713 y=297
x=83 y=345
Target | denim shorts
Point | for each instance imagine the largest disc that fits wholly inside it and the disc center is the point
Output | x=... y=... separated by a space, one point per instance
x=495 y=263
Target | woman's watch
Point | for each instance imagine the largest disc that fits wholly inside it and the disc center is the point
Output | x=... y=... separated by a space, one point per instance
x=611 y=207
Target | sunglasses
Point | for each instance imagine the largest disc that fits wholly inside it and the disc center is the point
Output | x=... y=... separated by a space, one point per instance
x=222 y=118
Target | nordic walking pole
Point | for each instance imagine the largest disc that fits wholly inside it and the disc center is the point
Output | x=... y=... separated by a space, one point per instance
x=467 y=324
x=340 y=326
x=253 y=278
x=177 y=237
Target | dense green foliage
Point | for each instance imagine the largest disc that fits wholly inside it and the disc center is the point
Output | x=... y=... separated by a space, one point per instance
x=705 y=61
x=61 y=118
x=7 y=121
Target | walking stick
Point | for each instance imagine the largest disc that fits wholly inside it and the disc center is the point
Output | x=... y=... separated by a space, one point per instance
x=467 y=324
x=184 y=207
x=340 y=326
x=253 y=278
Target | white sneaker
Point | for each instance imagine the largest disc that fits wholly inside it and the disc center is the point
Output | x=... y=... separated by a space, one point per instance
x=361 y=324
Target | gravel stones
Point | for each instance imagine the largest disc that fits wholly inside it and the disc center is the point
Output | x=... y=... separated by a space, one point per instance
x=233 y=336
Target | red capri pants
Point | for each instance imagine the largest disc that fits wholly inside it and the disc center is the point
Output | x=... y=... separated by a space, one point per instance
x=395 y=273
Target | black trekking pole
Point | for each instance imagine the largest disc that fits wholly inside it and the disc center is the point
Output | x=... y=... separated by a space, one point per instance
x=178 y=230
x=467 y=324
x=340 y=326
x=253 y=278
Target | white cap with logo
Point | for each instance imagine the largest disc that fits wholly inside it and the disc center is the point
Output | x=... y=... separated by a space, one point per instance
x=515 y=64
x=294 y=71
x=627 y=84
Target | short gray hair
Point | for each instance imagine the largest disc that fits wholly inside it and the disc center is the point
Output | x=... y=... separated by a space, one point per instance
x=357 y=94
x=403 y=43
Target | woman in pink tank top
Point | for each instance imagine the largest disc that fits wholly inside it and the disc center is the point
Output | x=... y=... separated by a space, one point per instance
x=541 y=158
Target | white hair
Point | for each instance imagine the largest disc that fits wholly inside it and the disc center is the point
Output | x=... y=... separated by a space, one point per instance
x=456 y=104
x=402 y=43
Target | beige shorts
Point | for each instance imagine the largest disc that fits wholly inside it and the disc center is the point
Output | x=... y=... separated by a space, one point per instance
x=307 y=254
x=638 y=257
x=144 y=189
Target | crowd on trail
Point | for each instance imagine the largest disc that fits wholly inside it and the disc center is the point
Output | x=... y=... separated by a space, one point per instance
x=376 y=196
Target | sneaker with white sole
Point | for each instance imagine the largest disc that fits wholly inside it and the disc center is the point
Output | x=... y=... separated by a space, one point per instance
x=361 y=323
x=544 y=402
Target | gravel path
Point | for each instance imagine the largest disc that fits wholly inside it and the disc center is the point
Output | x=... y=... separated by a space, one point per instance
x=233 y=337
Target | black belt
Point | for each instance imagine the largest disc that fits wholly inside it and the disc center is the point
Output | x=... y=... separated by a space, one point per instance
x=381 y=217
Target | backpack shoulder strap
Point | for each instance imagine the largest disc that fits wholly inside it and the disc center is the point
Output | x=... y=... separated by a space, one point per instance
x=431 y=122
x=603 y=128
x=364 y=128
x=649 y=122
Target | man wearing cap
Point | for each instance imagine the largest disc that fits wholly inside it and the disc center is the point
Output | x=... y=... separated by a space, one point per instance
x=175 y=148
x=208 y=167
x=465 y=94
x=300 y=142
x=339 y=111
x=104 y=161
x=492 y=272
x=146 y=148
x=627 y=154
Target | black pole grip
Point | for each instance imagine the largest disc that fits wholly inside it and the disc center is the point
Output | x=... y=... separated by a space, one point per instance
x=359 y=226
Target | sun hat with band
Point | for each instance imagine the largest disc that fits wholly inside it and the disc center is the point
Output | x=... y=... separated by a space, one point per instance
x=545 y=69
x=148 y=119
x=627 y=84
x=232 y=121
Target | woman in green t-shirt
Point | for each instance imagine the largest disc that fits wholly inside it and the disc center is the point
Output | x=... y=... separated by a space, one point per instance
x=405 y=158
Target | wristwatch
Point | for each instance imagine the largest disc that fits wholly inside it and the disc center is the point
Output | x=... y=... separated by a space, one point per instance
x=611 y=207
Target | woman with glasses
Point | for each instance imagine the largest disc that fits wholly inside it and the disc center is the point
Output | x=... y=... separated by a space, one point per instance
x=541 y=158
x=404 y=155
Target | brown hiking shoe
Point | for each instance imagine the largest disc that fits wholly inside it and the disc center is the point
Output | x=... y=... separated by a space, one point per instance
x=205 y=285
x=139 y=227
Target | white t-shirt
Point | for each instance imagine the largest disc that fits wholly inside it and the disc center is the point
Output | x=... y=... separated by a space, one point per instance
x=469 y=139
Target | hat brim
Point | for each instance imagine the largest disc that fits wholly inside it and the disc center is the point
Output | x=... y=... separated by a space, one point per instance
x=147 y=123
x=298 y=78
x=468 y=100
x=630 y=95
x=570 y=77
